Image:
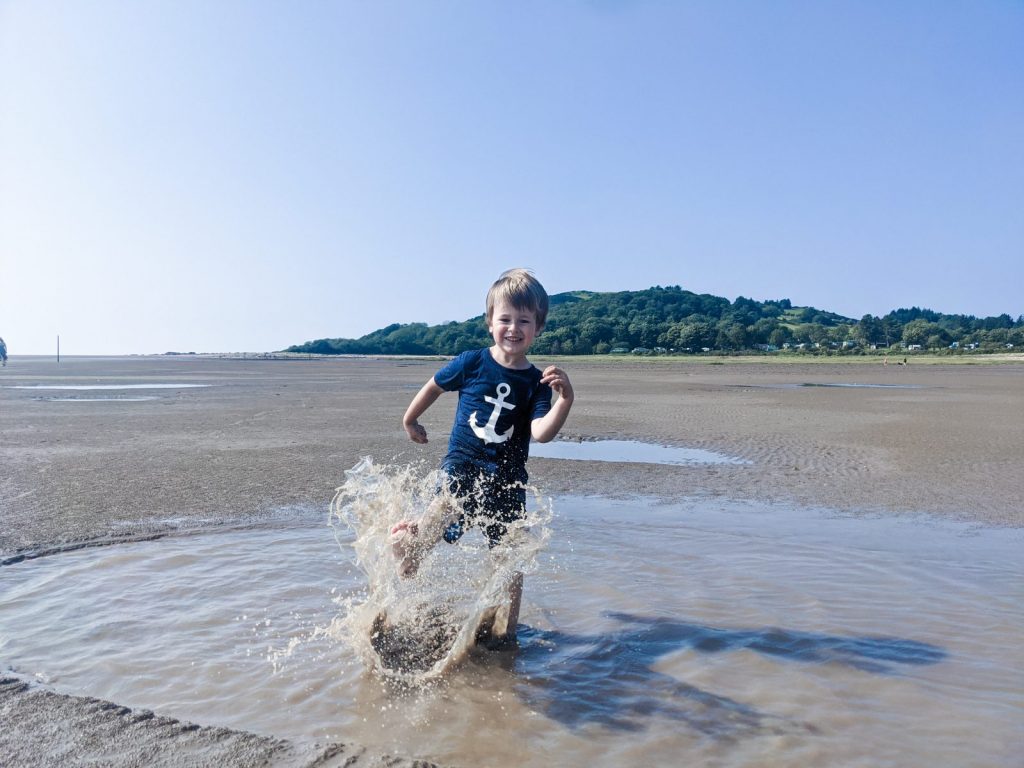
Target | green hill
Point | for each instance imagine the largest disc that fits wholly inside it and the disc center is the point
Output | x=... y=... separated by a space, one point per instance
x=673 y=321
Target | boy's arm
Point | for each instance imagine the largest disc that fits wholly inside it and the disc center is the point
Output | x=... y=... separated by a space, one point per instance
x=547 y=426
x=423 y=400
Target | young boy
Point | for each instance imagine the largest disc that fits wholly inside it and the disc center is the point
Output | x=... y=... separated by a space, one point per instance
x=503 y=401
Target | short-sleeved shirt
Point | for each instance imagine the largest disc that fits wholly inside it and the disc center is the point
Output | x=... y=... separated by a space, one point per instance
x=496 y=406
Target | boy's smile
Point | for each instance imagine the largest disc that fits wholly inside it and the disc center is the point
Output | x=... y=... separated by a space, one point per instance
x=513 y=331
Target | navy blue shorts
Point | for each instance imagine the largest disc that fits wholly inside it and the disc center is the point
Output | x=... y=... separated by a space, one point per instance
x=487 y=501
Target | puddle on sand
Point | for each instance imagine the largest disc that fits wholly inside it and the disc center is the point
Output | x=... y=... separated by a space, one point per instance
x=95 y=399
x=736 y=634
x=92 y=387
x=628 y=451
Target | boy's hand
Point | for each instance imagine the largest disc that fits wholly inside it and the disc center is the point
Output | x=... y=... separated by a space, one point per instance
x=558 y=380
x=416 y=432
x=547 y=426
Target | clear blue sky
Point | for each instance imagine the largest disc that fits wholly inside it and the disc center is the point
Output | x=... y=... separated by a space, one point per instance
x=240 y=175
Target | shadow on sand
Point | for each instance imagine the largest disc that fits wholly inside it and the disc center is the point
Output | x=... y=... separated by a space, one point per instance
x=608 y=679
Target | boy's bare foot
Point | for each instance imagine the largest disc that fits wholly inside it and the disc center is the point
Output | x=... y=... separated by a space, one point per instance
x=485 y=627
x=406 y=548
x=493 y=631
x=496 y=629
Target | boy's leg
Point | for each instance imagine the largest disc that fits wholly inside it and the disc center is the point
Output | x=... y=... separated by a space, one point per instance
x=410 y=540
x=507 y=634
x=497 y=628
x=507 y=508
x=405 y=547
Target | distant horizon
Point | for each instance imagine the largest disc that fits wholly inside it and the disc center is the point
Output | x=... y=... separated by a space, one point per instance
x=267 y=351
x=255 y=351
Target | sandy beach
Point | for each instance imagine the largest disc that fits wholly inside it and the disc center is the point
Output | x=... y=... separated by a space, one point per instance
x=254 y=436
x=939 y=439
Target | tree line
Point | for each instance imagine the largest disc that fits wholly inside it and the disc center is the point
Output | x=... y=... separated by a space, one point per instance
x=670 y=320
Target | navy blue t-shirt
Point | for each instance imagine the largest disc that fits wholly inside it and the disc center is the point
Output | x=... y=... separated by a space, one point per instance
x=496 y=406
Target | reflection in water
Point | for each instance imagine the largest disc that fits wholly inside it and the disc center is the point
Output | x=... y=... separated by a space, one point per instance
x=610 y=680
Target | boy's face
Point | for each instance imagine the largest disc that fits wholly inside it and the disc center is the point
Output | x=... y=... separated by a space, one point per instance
x=512 y=329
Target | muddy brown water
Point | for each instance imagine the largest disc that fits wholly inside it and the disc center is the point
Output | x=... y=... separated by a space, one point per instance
x=729 y=633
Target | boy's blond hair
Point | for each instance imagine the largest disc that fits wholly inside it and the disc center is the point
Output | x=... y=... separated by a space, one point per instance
x=522 y=290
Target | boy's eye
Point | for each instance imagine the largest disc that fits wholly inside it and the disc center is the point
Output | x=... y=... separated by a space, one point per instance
x=505 y=320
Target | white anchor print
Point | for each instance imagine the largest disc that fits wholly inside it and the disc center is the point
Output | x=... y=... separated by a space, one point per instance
x=487 y=432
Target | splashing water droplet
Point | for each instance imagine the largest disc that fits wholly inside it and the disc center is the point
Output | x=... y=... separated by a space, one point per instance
x=414 y=629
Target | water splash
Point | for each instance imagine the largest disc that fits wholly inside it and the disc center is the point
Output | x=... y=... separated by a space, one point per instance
x=414 y=629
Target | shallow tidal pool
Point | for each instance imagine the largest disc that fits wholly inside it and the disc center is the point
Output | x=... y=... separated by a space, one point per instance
x=734 y=634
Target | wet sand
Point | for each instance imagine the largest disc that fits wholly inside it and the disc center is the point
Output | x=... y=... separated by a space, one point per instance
x=268 y=434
